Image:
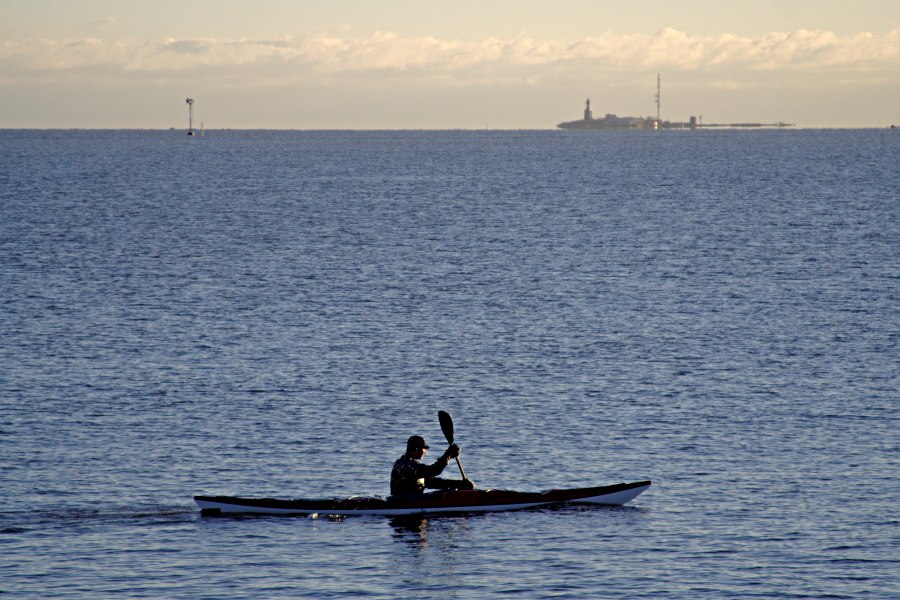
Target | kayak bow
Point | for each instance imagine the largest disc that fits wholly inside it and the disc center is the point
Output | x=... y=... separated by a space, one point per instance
x=440 y=502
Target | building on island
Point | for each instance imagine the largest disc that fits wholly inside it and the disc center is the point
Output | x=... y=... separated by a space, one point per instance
x=610 y=121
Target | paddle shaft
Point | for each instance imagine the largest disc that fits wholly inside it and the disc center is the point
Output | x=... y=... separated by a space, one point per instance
x=447 y=428
x=463 y=473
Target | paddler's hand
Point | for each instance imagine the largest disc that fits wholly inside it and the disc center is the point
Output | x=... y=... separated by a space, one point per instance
x=468 y=484
x=452 y=451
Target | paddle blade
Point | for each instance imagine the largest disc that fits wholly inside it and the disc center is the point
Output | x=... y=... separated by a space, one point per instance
x=446 y=425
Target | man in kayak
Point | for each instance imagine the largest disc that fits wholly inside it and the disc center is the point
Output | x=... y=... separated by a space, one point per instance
x=410 y=477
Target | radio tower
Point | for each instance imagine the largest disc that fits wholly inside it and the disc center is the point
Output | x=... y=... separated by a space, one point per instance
x=190 y=103
x=658 y=120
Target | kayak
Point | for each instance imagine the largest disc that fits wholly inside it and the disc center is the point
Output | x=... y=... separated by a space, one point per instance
x=459 y=501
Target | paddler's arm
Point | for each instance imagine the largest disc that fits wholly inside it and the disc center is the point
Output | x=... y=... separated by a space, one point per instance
x=447 y=484
x=435 y=469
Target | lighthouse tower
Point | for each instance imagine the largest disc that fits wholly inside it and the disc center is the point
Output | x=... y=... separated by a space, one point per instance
x=588 y=114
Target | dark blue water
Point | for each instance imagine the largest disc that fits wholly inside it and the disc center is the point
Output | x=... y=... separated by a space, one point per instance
x=274 y=313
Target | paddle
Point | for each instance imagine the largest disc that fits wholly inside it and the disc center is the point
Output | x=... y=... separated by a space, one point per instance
x=447 y=428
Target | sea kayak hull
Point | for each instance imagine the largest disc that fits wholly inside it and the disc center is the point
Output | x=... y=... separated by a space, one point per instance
x=462 y=501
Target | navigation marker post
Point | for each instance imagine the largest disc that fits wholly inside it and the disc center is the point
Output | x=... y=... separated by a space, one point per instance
x=190 y=103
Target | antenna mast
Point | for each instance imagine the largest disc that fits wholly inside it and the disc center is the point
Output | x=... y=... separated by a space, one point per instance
x=658 y=120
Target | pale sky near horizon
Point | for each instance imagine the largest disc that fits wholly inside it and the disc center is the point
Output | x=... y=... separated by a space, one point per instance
x=412 y=64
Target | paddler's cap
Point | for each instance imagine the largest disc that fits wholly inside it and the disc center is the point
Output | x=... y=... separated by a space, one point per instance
x=415 y=442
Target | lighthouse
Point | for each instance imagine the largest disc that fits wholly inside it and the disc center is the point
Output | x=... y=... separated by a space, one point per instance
x=588 y=115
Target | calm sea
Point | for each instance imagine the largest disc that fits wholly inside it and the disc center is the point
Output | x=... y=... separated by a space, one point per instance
x=268 y=313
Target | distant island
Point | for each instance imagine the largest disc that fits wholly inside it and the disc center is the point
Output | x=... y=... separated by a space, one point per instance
x=612 y=121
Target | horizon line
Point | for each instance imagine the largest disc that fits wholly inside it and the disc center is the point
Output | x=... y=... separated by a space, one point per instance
x=386 y=129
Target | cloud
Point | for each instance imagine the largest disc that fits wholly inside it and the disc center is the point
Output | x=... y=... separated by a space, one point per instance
x=104 y=23
x=385 y=54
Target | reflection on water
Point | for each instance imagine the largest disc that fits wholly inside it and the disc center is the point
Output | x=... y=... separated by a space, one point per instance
x=411 y=529
x=440 y=532
x=431 y=552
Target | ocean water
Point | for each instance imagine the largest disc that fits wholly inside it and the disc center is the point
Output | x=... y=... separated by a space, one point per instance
x=267 y=313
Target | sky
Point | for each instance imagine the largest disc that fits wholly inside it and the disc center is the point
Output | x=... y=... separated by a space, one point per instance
x=466 y=64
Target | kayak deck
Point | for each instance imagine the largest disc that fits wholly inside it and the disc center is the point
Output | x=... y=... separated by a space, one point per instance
x=441 y=502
